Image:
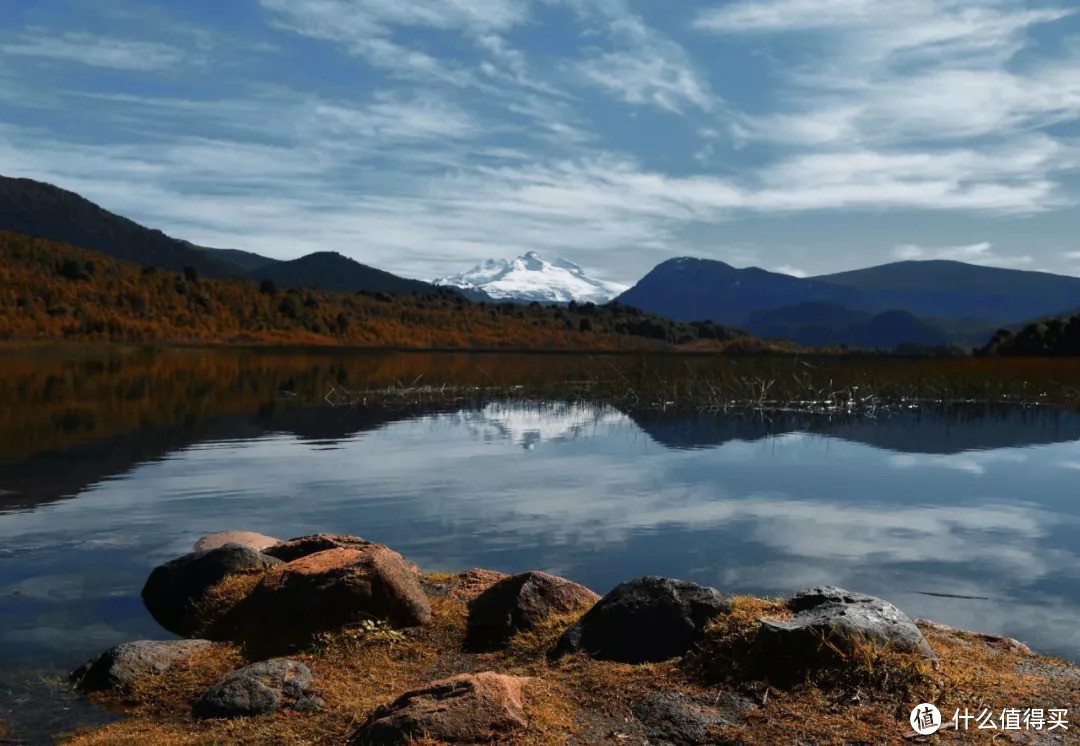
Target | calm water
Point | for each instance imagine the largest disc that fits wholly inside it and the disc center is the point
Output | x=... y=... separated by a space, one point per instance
x=108 y=472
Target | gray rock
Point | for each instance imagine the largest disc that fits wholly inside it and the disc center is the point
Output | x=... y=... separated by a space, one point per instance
x=259 y=689
x=649 y=619
x=119 y=667
x=173 y=591
x=673 y=719
x=844 y=619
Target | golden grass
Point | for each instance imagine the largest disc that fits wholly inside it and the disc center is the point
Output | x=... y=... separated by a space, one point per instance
x=725 y=653
x=214 y=607
x=865 y=698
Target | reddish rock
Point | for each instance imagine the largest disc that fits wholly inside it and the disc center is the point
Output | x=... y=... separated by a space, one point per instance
x=248 y=539
x=330 y=590
x=466 y=709
x=304 y=546
x=522 y=602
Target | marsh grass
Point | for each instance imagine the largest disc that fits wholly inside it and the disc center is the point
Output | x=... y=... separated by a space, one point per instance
x=832 y=385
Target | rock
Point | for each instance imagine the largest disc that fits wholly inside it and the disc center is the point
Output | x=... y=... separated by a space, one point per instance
x=999 y=641
x=330 y=590
x=248 y=539
x=174 y=590
x=673 y=719
x=259 y=689
x=465 y=709
x=303 y=546
x=843 y=618
x=522 y=602
x=119 y=667
x=650 y=619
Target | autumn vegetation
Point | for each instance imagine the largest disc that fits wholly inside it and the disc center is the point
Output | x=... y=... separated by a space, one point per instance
x=51 y=291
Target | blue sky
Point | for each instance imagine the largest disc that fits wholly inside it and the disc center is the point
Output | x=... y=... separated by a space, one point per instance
x=422 y=136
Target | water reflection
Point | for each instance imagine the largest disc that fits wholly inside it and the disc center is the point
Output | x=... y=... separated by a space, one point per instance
x=974 y=501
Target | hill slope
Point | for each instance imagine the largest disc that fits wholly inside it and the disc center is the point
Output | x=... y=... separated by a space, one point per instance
x=820 y=324
x=38 y=209
x=689 y=289
x=328 y=270
x=1057 y=337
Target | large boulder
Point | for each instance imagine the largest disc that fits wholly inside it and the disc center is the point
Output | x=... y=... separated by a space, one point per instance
x=304 y=546
x=248 y=539
x=466 y=709
x=327 y=591
x=844 y=620
x=174 y=591
x=119 y=667
x=646 y=620
x=522 y=602
x=259 y=689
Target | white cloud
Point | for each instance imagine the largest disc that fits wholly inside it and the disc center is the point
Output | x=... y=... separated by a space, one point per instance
x=979 y=253
x=645 y=67
x=366 y=28
x=97 y=51
x=972 y=462
x=906 y=71
x=647 y=79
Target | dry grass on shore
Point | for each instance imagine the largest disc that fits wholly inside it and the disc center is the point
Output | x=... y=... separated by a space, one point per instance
x=867 y=699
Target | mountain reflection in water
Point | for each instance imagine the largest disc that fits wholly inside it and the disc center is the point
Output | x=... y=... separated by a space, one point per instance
x=966 y=500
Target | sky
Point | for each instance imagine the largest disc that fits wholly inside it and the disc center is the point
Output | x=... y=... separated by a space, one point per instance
x=424 y=136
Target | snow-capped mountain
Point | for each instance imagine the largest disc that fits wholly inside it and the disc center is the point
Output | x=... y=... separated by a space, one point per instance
x=530 y=278
x=530 y=425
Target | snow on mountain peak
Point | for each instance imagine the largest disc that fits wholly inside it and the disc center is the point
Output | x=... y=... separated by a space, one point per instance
x=530 y=277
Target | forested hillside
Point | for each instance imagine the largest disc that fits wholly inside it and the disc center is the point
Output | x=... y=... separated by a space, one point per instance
x=1058 y=337
x=52 y=291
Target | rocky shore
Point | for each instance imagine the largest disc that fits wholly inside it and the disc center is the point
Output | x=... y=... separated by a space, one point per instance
x=336 y=640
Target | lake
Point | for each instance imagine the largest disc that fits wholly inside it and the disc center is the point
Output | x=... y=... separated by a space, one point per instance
x=111 y=464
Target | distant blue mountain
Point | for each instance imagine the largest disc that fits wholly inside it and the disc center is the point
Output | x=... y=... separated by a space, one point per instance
x=918 y=302
x=706 y=290
x=945 y=289
x=820 y=324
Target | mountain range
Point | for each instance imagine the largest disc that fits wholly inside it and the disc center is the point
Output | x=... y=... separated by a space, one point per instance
x=927 y=303
x=910 y=303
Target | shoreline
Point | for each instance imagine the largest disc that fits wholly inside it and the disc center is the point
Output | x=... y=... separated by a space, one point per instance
x=537 y=659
